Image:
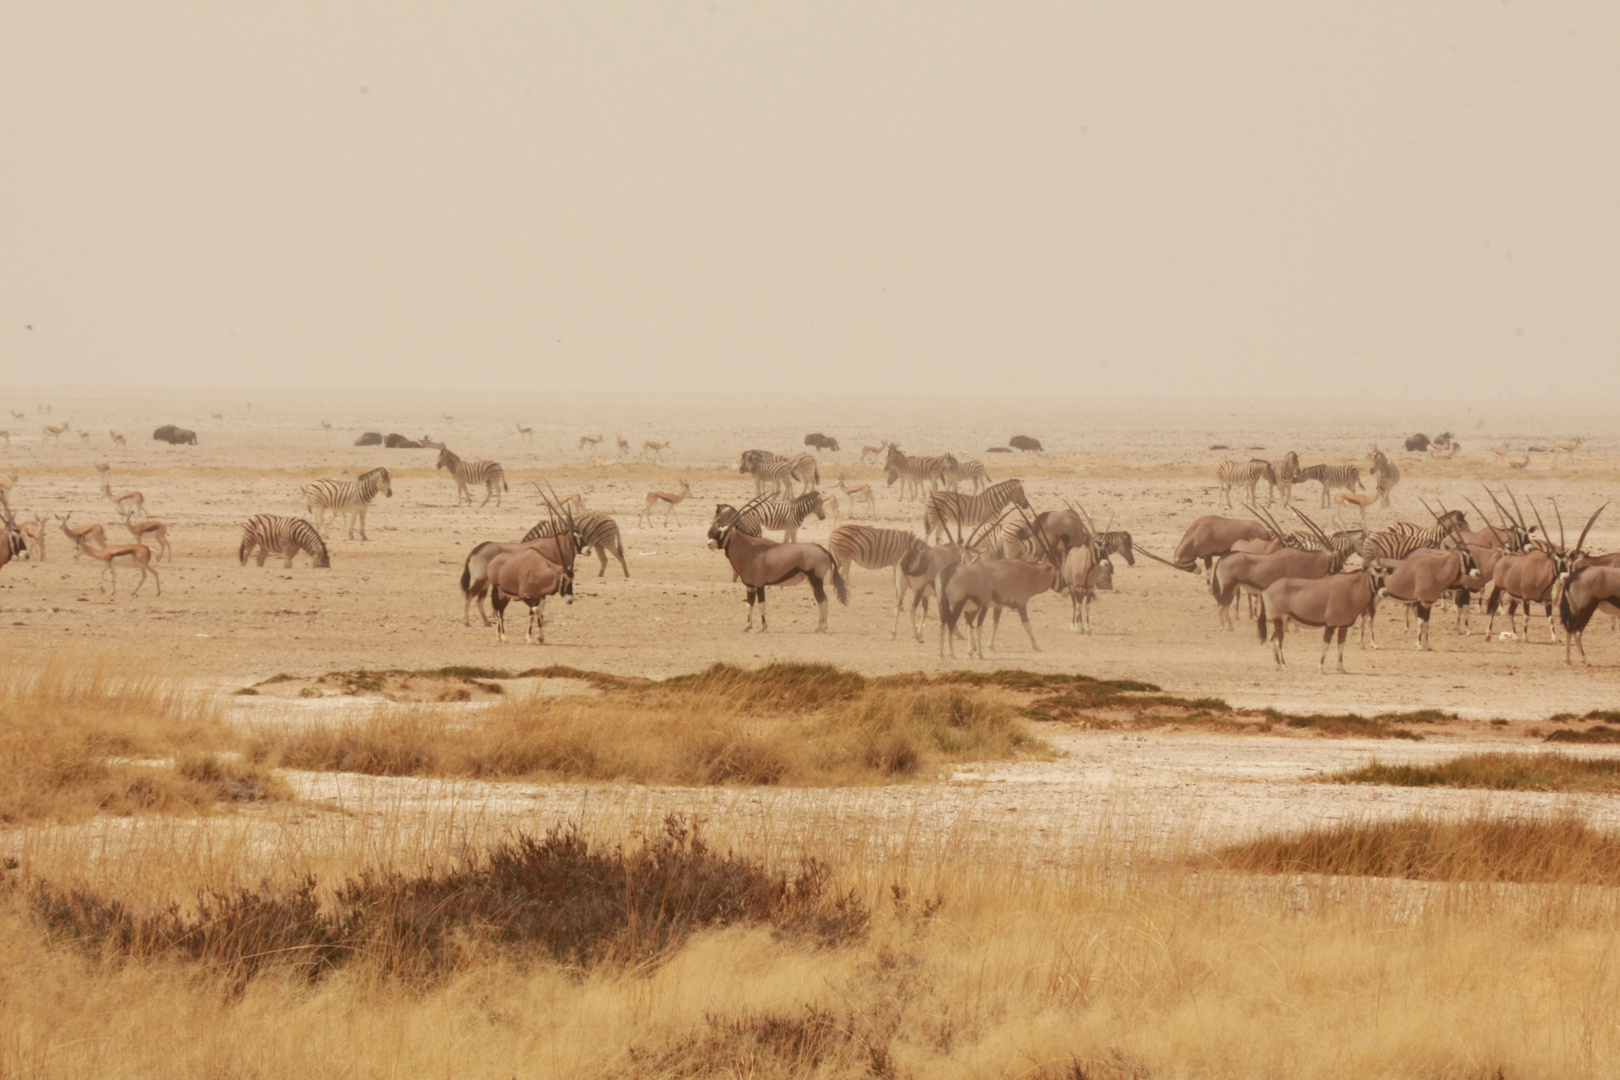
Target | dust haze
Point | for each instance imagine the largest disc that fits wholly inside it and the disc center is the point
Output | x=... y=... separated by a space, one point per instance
x=1121 y=199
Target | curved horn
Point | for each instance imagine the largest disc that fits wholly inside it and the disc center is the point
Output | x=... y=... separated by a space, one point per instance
x=1560 y=515
x=1588 y=528
x=1523 y=524
x=1537 y=511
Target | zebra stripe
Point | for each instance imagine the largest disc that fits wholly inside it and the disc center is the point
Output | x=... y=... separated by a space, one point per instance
x=274 y=534
x=1246 y=475
x=947 y=508
x=1401 y=539
x=1385 y=474
x=1332 y=477
x=591 y=530
x=914 y=472
x=958 y=471
x=349 y=497
x=1287 y=474
x=468 y=473
x=871 y=547
x=777 y=515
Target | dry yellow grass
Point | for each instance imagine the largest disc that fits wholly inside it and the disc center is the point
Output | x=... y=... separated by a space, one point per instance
x=81 y=735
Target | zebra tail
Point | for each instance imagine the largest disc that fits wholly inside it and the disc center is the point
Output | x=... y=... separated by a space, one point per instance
x=247 y=543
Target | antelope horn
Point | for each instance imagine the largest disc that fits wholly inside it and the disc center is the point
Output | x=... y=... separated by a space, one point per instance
x=1539 y=522
x=1430 y=509
x=1523 y=524
x=1560 y=515
x=1191 y=569
x=1589 y=525
x=1506 y=520
x=1477 y=510
x=1315 y=528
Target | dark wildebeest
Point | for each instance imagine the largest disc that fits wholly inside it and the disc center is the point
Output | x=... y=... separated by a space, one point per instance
x=999 y=450
x=175 y=436
x=1417 y=444
x=821 y=442
x=370 y=438
x=395 y=441
x=1024 y=442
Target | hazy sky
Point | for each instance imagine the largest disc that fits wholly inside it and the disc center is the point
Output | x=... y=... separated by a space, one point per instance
x=1110 y=198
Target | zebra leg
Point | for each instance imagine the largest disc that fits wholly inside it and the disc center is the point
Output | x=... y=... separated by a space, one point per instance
x=899 y=601
x=360 y=515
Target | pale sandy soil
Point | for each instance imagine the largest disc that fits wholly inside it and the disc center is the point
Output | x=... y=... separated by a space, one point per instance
x=394 y=602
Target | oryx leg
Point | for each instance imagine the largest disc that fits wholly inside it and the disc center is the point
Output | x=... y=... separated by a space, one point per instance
x=498 y=600
x=820 y=591
x=1023 y=616
x=1423 y=611
x=1552 y=626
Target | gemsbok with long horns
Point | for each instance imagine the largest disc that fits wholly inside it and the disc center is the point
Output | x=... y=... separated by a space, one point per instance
x=595 y=531
x=760 y=563
x=531 y=577
x=1333 y=604
x=972 y=590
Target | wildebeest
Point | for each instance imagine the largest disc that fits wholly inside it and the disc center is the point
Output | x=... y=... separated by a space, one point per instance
x=1024 y=442
x=370 y=438
x=399 y=442
x=821 y=442
x=176 y=436
x=999 y=450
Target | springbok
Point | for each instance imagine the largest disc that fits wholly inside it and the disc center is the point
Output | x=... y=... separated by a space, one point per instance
x=326 y=425
x=759 y=563
x=125 y=555
x=7 y=482
x=874 y=452
x=653 y=448
x=526 y=432
x=670 y=499
x=117 y=439
x=1359 y=500
x=217 y=415
x=1501 y=453
x=54 y=432
x=134 y=499
x=1522 y=463
x=33 y=533
x=1565 y=448
x=77 y=533
x=624 y=445
x=589 y=440
x=858 y=494
x=1333 y=603
x=141 y=529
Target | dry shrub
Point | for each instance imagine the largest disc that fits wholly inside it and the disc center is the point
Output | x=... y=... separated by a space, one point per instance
x=558 y=898
x=783 y=724
x=1494 y=771
x=79 y=736
x=1597 y=733
x=1564 y=850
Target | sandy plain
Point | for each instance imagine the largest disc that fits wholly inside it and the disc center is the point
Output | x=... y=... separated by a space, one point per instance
x=393 y=602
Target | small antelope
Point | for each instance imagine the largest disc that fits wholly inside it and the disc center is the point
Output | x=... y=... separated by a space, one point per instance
x=589 y=440
x=125 y=555
x=34 y=535
x=653 y=448
x=18 y=415
x=1360 y=501
x=217 y=415
x=448 y=418
x=624 y=444
x=77 y=533
x=118 y=440
x=326 y=425
x=1522 y=463
x=54 y=432
x=84 y=436
x=1565 y=448
x=7 y=482
x=1501 y=453
x=136 y=500
x=858 y=494
x=1445 y=451
x=141 y=529
x=526 y=432
x=874 y=451
x=577 y=499
x=671 y=501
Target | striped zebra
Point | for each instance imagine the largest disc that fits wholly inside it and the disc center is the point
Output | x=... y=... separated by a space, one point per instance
x=1385 y=475
x=1346 y=542
x=1332 y=478
x=349 y=497
x=871 y=547
x=1402 y=538
x=274 y=534
x=784 y=515
x=1287 y=473
x=1246 y=475
x=958 y=471
x=914 y=472
x=467 y=473
x=591 y=530
x=947 y=508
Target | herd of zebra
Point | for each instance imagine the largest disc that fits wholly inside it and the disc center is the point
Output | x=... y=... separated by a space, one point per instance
x=1341 y=484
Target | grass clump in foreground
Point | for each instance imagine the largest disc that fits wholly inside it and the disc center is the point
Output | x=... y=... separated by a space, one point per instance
x=78 y=737
x=800 y=724
x=559 y=899
x=1482 y=848
x=1495 y=772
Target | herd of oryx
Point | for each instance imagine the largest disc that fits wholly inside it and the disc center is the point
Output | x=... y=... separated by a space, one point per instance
x=982 y=547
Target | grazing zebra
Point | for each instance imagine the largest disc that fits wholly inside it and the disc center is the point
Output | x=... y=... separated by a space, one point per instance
x=1287 y=473
x=1402 y=538
x=782 y=514
x=272 y=534
x=1332 y=478
x=970 y=470
x=349 y=497
x=1246 y=475
x=467 y=473
x=1384 y=473
x=947 y=508
x=591 y=530
x=914 y=472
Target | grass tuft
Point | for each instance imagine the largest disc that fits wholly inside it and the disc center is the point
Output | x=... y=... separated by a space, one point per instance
x=1495 y=772
x=1597 y=733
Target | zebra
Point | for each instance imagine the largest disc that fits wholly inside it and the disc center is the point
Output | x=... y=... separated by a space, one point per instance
x=1401 y=539
x=1287 y=473
x=946 y=508
x=958 y=471
x=1246 y=475
x=467 y=473
x=871 y=547
x=782 y=514
x=274 y=534
x=350 y=497
x=778 y=474
x=1385 y=475
x=913 y=472
x=1331 y=477
x=591 y=530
